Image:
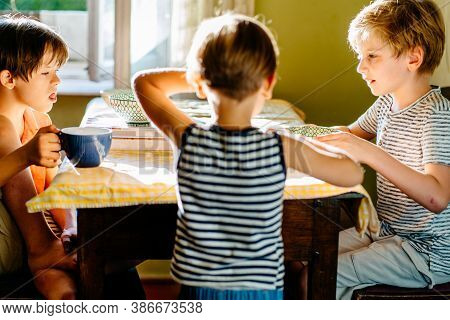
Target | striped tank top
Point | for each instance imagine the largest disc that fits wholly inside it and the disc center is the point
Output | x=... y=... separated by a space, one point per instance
x=230 y=191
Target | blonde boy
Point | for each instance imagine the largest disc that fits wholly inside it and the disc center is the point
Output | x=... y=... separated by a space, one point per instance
x=399 y=44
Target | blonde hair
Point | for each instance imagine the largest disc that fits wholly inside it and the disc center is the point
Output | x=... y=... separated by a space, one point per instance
x=403 y=25
x=233 y=54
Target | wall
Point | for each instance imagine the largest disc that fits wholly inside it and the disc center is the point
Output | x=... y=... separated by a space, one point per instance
x=441 y=75
x=317 y=69
x=69 y=110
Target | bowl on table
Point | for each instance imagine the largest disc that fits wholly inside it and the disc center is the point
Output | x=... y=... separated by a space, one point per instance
x=125 y=105
x=310 y=130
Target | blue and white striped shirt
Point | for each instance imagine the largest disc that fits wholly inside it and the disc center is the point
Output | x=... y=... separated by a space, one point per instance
x=230 y=188
x=416 y=136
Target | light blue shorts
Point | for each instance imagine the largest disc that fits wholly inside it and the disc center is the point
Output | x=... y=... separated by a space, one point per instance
x=201 y=293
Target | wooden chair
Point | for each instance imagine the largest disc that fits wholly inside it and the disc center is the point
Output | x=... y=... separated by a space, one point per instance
x=446 y=92
x=384 y=292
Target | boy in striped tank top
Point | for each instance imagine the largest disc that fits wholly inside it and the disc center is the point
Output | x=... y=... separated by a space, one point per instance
x=231 y=175
x=399 y=44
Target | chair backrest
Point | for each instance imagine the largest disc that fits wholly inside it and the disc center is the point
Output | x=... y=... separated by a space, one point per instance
x=446 y=92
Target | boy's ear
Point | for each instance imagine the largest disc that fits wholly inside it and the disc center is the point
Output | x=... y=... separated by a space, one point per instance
x=7 y=79
x=415 y=58
x=268 y=85
x=197 y=83
x=199 y=91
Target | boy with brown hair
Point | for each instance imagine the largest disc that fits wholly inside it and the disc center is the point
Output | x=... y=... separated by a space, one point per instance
x=399 y=44
x=30 y=55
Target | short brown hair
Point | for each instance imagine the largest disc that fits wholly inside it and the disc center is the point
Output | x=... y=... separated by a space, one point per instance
x=233 y=54
x=404 y=25
x=23 y=43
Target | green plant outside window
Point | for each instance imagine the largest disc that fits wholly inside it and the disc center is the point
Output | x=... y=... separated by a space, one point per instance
x=36 y=5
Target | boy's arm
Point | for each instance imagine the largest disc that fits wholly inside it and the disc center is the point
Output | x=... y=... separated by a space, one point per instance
x=322 y=162
x=430 y=188
x=43 y=248
x=355 y=129
x=152 y=89
x=43 y=150
x=18 y=190
x=11 y=164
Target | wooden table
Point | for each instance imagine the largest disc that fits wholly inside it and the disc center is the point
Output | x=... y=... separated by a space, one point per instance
x=310 y=232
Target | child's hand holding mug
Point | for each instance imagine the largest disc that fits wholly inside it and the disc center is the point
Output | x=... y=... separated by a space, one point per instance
x=43 y=149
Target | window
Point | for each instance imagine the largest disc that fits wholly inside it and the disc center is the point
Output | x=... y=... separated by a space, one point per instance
x=108 y=39
x=142 y=37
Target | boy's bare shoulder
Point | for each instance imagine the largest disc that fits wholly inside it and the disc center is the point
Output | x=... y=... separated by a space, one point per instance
x=9 y=139
x=6 y=126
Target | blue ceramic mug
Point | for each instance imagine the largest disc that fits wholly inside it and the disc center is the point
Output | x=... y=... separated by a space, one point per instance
x=86 y=147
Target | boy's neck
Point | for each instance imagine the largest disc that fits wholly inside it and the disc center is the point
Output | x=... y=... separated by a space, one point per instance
x=231 y=122
x=13 y=110
x=232 y=114
x=410 y=92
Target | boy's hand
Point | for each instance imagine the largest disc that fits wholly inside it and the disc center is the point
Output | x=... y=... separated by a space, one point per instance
x=53 y=271
x=43 y=149
x=69 y=239
x=358 y=149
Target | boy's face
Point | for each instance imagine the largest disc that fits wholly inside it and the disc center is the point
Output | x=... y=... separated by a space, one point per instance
x=383 y=72
x=40 y=92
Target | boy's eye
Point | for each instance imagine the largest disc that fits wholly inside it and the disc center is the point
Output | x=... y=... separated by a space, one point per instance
x=45 y=73
x=371 y=56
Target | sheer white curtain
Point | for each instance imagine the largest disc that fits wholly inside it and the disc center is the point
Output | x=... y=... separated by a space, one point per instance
x=187 y=15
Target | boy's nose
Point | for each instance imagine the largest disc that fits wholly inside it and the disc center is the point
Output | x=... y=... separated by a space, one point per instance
x=56 y=80
x=361 y=66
